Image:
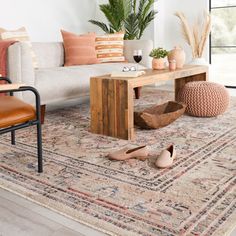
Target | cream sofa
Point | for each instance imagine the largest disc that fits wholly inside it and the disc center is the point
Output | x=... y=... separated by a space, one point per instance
x=56 y=83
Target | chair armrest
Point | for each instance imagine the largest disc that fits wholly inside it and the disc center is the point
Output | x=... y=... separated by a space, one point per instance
x=21 y=88
x=5 y=79
x=10 y=87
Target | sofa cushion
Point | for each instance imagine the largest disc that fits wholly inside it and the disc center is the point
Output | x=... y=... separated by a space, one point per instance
x=13 y=111
x=60 y=83
x=79 y=49
x=49 y=54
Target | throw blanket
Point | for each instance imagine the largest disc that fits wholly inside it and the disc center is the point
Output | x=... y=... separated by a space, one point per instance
x=3 y=58
x=4 y=44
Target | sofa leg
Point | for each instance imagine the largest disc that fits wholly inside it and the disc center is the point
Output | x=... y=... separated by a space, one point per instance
x=137 y=92
x=39 y=148
x=42 y=112
x=13 y=138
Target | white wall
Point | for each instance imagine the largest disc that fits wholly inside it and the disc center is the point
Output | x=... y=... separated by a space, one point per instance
x=43 y=19
x=167 y=32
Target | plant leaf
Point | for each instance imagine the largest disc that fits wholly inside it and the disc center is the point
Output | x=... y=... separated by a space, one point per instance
x=102 y=25
x=125 y=15
x=144 y=23
x=131 y=27
x=145 y=15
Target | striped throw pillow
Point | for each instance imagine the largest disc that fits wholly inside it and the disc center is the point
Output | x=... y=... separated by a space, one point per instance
x=20 y=35
x=110 y=48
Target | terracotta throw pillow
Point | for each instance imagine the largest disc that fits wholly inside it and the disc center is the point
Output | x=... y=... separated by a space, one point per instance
x=20 y=35
x=79 y=49
x=110 y=48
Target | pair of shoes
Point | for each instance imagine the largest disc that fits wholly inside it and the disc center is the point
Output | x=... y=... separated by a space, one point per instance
x=164 y=160
x=140 y=153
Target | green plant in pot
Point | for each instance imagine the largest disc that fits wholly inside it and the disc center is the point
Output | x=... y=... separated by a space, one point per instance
x=141 y=15
x=130 y=16
x=158 y=55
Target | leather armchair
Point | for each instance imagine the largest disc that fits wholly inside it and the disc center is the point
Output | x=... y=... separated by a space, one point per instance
x=15 y=114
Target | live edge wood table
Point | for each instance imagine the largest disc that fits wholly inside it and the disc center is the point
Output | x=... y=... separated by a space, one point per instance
x=111 y=99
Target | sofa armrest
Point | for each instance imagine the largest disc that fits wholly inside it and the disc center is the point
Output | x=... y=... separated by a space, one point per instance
x=145 y=45
x=20 y=64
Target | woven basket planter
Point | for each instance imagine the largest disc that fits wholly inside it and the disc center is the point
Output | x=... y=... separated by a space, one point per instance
x=204 y=99
x=159 y=116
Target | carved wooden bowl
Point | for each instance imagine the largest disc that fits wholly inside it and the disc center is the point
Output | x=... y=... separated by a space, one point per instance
x=159 y=116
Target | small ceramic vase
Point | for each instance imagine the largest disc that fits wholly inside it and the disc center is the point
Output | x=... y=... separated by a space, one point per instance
x=158 y=64
x=178 y=55
x=172 y=65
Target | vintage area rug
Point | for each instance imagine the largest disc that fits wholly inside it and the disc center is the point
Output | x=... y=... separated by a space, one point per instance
x=196 y=197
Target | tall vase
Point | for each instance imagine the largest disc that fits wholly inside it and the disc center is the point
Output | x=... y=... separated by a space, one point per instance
x=178 y=55
x=199 y=61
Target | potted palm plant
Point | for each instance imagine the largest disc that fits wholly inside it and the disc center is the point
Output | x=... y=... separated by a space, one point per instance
x=158 y=61
x=131 y=16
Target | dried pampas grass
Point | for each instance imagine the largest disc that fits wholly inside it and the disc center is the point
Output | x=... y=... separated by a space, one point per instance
x=196 y=36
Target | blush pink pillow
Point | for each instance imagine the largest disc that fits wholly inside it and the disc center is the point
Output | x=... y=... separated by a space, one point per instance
x=79 y=49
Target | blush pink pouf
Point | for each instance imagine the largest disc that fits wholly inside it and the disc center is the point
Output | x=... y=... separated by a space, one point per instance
x=204 y=99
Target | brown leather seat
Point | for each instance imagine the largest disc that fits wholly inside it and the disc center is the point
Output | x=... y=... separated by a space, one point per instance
x=14 y=111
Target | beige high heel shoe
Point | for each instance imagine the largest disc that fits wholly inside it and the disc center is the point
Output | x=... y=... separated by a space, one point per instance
x=140 y=153
x=166 y=158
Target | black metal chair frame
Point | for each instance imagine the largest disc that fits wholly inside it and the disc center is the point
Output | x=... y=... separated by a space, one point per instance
x=36 y=121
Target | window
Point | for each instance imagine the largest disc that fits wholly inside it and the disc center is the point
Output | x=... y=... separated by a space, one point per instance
x=223 y=41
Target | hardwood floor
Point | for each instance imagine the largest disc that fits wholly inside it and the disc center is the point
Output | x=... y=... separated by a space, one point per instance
x=20 y=217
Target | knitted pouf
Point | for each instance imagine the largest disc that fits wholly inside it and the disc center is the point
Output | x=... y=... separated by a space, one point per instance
x=204 y=99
